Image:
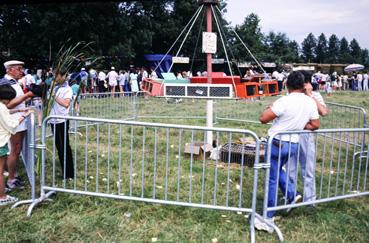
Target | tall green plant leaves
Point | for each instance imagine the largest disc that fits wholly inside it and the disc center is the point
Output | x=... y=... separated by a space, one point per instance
x=68 y=58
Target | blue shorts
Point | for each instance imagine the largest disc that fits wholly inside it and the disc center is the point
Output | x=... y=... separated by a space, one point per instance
x=4 y=150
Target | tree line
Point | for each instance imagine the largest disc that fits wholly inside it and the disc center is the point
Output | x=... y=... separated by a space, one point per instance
x=122 y=32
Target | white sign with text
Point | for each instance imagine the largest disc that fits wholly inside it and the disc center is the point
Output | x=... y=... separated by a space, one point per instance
x=209 y=42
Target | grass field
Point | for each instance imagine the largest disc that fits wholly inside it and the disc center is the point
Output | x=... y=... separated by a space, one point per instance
x=83 y=218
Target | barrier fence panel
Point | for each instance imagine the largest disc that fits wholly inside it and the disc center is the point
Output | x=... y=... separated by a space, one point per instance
x=148 y=162
x=28 y=157
x=131 y=106
x=344 y=116
x=243 y=110
x=336 y=167
x=140 y=106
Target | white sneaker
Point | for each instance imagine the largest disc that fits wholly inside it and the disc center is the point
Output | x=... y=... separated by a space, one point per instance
x=297 y=199
x=8 y=200
x=264 y=224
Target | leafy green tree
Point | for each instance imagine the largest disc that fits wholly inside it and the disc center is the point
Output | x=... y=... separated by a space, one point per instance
x=355 y=51
x=294 y=52
x=333 y=49
x=344 y=56
x=308 y=48
x=250 y=32
x=365 y=57
x=280 y=49
x=321 y=49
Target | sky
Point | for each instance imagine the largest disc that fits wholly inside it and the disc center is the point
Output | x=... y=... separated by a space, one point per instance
x=297 y=18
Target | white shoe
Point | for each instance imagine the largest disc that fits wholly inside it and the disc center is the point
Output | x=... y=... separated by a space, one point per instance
x=264 y=224
x=8 y=200
x=297 y=199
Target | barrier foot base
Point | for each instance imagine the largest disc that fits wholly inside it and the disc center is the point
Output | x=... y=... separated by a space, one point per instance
x=22 y=202
x=44 y=197
x=272 y=225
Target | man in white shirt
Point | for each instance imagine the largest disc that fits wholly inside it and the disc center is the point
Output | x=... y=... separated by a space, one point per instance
x=15 y=71
x=113 y=80
x=145 y=74
x=359 y=82
x=365 y=82
x=293 y=112
x=153 y=74
x=102 y=78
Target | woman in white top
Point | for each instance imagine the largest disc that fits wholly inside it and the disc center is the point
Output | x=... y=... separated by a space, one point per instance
x=133 y=80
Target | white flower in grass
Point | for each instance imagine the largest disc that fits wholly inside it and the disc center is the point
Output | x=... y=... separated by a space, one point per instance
x=91 y=177
x=87 y=181
x=215 y=240
x=127 y=214
x=103 y=155
x=134 y=174
x=159 y=187
x=230 y=181
x=238 y=187
x=228 y=221
x=104 y=179
x=90 y=151
x=172 y=146
x=177 y=156
x=332 y=172
x=154 y=239
x=224 y=216
x=223 y=183
x=239 y=213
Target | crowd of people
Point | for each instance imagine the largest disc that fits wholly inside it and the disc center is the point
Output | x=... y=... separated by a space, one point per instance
x=356 y=81
x=94 y=81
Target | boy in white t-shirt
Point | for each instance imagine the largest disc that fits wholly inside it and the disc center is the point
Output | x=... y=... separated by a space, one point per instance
x=113 y=80
x=8 y=126
x=294 y=112
x=63 y=97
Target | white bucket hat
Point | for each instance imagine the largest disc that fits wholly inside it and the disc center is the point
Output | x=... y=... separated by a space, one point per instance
x=12 y=63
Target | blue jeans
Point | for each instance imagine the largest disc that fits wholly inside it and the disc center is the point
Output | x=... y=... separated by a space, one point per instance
x=287 y=150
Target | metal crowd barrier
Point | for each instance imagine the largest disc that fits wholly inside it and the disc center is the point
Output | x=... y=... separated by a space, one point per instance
x=336 y=168
x=155 y=163
x=344 y=116
x=162 y=163
x=28 y=158
x=140 y=106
